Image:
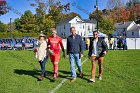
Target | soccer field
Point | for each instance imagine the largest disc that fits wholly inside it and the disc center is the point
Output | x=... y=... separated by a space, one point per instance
x=19 y=71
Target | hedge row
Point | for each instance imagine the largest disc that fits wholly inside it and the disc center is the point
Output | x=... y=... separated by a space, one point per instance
x=16 y=34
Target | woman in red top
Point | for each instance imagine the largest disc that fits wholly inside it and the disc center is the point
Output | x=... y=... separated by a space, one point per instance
x=54 y=43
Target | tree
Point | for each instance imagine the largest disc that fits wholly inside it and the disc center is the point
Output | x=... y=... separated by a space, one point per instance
x=133 y=6
x=49 y=23
x=3 y=27
x=3 y=7
x=106 y=23
x=106 y=26
x=55 y=12
x=17 y=23
x=71 y=15
x=93 y=15
x=48 y=14
x=124 y=14
x=111 y=4
x=115 y=7
x=26 y=22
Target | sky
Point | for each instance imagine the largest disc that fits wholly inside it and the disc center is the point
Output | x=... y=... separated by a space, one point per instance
x=82 y=7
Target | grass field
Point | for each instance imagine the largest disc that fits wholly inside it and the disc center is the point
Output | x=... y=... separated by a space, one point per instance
x=19 y=71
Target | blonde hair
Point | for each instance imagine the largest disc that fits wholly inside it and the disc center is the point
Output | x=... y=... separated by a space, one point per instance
x=72 y=27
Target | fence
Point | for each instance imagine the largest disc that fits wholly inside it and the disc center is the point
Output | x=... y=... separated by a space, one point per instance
x=133 y=43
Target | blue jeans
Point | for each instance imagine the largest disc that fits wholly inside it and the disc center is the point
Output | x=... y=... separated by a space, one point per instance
x=74 y=58
x=42 y=65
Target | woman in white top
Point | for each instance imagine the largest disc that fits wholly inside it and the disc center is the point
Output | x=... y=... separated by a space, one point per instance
x=42 y=54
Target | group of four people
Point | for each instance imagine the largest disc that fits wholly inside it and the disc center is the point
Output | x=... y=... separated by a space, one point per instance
x=51 y=47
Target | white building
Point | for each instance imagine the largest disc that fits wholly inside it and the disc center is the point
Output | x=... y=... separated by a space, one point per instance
x=128 y=29
x=83 y=26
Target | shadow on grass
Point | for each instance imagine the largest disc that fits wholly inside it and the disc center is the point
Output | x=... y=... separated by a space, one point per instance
x=67 y=73
x=33 y=73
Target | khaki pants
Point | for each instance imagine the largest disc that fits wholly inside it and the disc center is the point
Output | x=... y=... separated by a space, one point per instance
x=94 y=61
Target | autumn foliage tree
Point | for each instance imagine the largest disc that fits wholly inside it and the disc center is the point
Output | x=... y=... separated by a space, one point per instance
x=3 y=7
x=124 y=14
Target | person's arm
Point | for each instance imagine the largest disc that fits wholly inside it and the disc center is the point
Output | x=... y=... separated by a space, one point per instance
x=67 y=47
x=81 y=45
x=48 y=42
x=105 y=46
x=62 y=46
x=90 y=48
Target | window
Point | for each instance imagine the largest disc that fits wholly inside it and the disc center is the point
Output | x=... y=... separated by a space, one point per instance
x=132 y=33
x=89 y=28
x=83 y=27
x=64 y=33
x=64 y=26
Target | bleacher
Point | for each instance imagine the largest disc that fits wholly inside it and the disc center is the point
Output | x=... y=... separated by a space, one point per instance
x=16 y=43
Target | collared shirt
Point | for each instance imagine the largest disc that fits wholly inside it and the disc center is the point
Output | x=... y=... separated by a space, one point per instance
x=95 y=48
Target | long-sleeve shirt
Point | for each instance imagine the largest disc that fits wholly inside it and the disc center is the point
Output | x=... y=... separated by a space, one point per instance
x=55 y=44
x=102 y=46
x=41 y=50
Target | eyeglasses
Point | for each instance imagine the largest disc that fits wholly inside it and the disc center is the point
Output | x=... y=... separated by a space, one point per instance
x=95 y=34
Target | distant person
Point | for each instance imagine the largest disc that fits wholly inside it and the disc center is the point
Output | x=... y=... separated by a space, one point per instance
x=97 y=51
x=55 y=43
x=42 y=55
x=120 y=43
x=115 y=43
x=23 y=44
x=110 y=43
x=87 y=43
x=3 y=47
x=124 y=44
x=75 y=52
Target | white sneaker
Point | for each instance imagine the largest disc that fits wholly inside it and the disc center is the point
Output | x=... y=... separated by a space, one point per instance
x=100 y=78
x=92 y=80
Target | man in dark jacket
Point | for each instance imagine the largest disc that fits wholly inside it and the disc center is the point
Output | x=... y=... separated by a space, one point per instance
x=75 y=51
x=97 y=50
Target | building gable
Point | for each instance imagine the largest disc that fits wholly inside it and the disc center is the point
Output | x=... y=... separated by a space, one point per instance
x=76 y=20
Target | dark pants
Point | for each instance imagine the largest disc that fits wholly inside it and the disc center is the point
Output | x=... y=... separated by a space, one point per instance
x=42 y=65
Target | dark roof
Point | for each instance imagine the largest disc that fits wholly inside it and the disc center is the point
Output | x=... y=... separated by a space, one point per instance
x=66 y=20
x=123 y=25
x=138 y=21
x=89 y=21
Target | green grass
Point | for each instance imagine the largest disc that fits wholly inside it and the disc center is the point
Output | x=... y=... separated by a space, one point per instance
x=19 y=71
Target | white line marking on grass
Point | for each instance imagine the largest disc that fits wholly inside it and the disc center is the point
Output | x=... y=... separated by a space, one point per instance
x=64 y=80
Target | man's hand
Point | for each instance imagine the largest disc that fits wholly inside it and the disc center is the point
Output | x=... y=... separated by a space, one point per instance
x=67 y=56
x=105 y=52
x=82 y=55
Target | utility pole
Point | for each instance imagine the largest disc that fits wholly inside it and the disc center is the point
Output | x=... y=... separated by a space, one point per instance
x=10 y=28
x=97 y=15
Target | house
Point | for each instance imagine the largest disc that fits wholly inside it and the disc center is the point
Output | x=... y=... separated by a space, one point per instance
x=128 y=29
x=83 y=26
x=134 y=31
